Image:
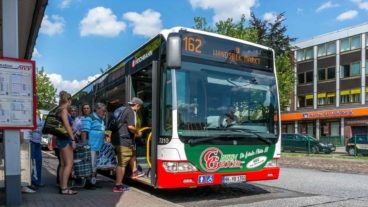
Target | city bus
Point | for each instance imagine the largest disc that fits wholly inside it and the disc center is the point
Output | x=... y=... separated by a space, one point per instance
x=211 y=108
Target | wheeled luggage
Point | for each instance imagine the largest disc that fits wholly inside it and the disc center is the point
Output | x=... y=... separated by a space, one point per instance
x=82 y=168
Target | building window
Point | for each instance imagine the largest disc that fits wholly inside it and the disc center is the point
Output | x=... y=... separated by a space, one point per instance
x=309 y=100
x=331 y=48
x=301 y=78
x=344 y=99
x=345 y=71
x=350 y=43
x=350 y=70
x=309 y=53
x=321 y=50
x=344 y=45
x=331 y=99
x=331 y=73
x=350 y=96
x=300 y=55
x=355 y=42
x=301 y=100
x=322 y=74
x=322 y=101
x=355 y=69
x=355 y=98
x=309 y=77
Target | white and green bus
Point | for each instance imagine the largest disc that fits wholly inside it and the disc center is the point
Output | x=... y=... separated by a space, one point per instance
x=211 y=110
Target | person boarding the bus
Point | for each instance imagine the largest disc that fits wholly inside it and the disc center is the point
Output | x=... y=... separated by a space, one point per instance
x=124 y=143
x=93 y=130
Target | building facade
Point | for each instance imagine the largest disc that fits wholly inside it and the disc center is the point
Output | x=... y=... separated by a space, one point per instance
x=330 y=99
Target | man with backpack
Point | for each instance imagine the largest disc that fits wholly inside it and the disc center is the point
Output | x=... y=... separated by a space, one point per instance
x=123 y=134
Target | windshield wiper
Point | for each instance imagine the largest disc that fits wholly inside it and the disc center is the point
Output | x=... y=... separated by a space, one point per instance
x=267 y=141
x=195 y=141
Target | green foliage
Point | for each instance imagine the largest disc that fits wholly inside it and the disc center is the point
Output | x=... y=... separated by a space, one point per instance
x=45 y=91
x=285 y=78
x=228 y=28
x=271 y=34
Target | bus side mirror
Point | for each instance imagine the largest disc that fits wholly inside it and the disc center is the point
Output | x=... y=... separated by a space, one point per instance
x=173 y=50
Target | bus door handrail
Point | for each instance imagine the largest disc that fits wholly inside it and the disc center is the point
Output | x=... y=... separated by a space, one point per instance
x=147 y=144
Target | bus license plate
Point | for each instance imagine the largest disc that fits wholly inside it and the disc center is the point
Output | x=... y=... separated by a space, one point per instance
x=233 y=179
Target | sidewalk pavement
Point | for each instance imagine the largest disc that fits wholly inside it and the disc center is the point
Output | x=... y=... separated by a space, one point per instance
x=49 y=196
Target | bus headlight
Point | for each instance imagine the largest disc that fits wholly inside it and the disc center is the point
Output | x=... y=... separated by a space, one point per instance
x=179 y=167
x=271 y=163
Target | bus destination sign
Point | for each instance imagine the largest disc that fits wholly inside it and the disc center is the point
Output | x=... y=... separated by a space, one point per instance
x=224 y=50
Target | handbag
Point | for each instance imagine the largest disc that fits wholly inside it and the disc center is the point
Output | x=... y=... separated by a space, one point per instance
x=54 y=125
x=106 y=158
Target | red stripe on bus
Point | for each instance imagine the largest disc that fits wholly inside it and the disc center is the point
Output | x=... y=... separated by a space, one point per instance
x=177 y=180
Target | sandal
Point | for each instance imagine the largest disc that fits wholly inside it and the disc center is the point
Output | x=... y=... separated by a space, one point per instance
x=67 y=191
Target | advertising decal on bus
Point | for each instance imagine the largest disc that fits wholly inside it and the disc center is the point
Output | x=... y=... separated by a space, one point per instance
x=228 y=158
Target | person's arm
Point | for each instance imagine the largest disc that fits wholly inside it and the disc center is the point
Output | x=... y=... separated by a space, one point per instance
x=134 y=130
x=64 y=118
x=84 y=137
x=131 y=125
x=86 y=127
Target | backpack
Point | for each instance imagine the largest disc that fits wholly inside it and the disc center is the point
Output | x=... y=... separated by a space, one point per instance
x=115 y=120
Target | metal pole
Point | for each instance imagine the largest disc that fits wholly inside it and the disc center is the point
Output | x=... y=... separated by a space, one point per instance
x=11 y=137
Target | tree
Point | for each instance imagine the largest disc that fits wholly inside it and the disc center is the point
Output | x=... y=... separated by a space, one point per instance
x=228 y=28
x=271 y=34
x=45 y=91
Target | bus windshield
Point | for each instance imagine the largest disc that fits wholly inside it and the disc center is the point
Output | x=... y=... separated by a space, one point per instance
x=214 y=101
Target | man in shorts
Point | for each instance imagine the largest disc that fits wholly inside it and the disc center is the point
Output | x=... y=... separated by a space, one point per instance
x=124 y=143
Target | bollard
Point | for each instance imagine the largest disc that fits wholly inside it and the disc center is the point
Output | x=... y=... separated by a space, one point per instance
x=355 y=148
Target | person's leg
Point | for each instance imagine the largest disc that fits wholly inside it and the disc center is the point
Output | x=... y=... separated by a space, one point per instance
x=38 y=157
x=57 y=154
x=120 y=168
x=133 y=162
x=33 y=159
x=67 y=164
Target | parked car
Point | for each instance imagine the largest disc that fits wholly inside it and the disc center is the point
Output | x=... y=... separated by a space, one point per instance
x=361 y=143
x=45 y=140
x=299 y=142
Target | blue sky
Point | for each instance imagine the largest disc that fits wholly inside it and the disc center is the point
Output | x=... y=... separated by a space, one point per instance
x=78 y=37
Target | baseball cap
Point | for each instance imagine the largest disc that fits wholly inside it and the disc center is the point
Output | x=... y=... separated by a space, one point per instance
x=136 y=100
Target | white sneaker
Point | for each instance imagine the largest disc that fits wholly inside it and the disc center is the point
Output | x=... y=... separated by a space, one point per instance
x=26 y=189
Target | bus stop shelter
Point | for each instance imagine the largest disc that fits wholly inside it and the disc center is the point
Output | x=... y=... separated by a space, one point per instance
x=20 y=24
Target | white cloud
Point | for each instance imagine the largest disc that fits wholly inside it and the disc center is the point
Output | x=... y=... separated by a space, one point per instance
x=54 y=25
x=347 y=15
x=147 y=24
x=35 y=53
x=226 y=9
x=71 y=86
x=65 y=3
x=327 y=5
x=101 y=21
x=270 y=16
x=299 y=11
x=362 y=4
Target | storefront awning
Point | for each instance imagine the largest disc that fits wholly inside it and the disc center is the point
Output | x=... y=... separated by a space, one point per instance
x=325 y=114
x=355 y=91
x=321 y=95
x=346 y=92
x=309 y=97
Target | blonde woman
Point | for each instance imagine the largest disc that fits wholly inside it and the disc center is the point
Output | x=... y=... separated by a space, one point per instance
x=65 y=145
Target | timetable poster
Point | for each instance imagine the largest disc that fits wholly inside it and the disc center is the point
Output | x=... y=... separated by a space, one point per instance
x=17 y=95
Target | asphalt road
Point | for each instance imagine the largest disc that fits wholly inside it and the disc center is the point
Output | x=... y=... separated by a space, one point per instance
x=296 y=187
